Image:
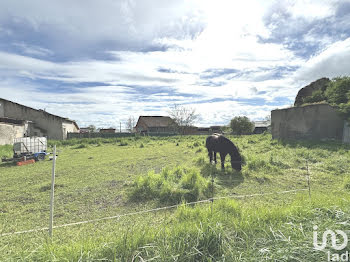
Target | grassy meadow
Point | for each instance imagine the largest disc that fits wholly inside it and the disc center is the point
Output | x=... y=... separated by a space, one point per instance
x=99 y=178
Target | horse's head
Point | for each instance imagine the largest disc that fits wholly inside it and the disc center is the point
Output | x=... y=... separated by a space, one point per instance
x=236 y=164
x=236 y=161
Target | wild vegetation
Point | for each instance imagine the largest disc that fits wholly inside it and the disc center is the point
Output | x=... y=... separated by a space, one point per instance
x=172 y=186
x=336 y=93
x=99 y=178
x=241 y=125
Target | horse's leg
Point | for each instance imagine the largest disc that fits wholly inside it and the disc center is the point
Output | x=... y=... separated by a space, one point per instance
x=222 y=156
x=215 y=157
x=210 y=154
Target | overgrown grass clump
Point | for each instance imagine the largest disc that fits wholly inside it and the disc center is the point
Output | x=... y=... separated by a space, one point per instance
x=226 y=230
x=172 y=186
x=6 y=151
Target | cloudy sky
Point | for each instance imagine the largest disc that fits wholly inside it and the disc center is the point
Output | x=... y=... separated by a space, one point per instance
x=99 y=62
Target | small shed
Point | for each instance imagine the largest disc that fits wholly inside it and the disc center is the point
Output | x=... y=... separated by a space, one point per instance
x=261 y=127
x=84 y=130
x=107 y=130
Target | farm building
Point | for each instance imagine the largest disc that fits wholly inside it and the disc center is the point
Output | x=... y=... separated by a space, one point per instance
x=84 y=130
x=203 y=130
x=11 y=129
x=314 y=122
x=107 y=130
x=155 y=124
x=261 y=126
x=216 y=129
x=18 y=120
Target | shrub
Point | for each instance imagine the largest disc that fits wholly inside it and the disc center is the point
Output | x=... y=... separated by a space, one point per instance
x=337 y=94
x=241 y=125
x=317 y=96
x=171 y=186
x=338 y=90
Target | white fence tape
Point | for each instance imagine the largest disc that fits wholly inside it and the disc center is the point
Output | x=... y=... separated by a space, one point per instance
x=149 y=211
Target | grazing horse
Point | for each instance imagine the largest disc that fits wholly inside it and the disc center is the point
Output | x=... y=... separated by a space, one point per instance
x=218 y=143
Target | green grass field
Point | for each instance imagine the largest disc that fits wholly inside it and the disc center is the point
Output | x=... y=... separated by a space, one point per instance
x=106 y=177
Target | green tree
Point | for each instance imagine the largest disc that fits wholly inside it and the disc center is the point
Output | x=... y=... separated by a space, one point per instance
x=184 y=117
x=317 y=96
x=338 y=91
x=241 y=125
x=338 y=95
x=92 y=128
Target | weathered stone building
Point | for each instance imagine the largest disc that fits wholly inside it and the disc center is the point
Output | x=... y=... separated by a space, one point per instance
x=11 y=129
x=17 y=120
x=314 y=122
x=261 y=127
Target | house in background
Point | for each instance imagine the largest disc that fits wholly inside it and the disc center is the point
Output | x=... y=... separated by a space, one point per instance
x=107 y=130
x=83 y=130
x=11 y=129
x=34 y=123
x=203 y=130
x=261 y=126
x=155 y=124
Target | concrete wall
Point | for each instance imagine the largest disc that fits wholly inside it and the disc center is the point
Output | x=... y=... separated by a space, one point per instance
x=315 y=122
x=51 y=124
x=8 y=132
x=346 y=133
x=2 y=113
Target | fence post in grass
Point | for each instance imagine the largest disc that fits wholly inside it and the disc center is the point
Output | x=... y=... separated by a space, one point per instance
x=212 y=191
x=308 y=178
x=52 y=191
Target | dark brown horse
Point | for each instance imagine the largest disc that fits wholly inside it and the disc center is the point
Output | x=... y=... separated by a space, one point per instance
x=218 y=143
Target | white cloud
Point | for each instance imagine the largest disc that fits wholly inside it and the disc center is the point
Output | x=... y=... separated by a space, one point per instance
x=200 y=35
x=332 y=62
x=33 y=50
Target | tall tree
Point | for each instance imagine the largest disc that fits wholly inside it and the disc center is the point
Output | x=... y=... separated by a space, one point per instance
x=92 y=128
x=130 y=124
x=184 y=117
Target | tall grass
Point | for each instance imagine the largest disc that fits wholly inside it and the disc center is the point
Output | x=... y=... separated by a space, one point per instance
x=171 y=186
x=226 y=230
x=99 y=181
x=6 y=151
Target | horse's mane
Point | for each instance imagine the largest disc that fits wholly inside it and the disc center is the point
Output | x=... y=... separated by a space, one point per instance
x=235 y=150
